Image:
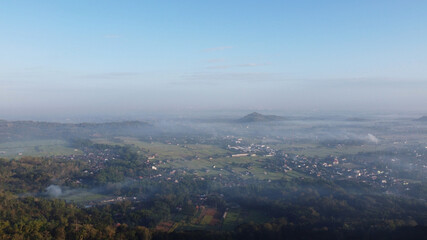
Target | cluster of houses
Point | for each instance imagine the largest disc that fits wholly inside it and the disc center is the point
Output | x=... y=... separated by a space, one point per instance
x=336 y=168
x=96 y=158
x=374 y=171
x=362 y=170
x=243 y=149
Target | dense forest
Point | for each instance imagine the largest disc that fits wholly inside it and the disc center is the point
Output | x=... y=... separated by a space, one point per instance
x=36 y=218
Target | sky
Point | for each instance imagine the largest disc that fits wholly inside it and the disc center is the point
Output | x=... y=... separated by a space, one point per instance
x=126 y=57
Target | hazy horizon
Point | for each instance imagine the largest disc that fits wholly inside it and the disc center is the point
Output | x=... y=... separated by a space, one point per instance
x=104 y=58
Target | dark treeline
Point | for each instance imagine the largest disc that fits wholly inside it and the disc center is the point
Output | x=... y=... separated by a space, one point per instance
x=35 y=218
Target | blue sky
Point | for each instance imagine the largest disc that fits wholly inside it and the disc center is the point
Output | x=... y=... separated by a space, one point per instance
x=135 y=56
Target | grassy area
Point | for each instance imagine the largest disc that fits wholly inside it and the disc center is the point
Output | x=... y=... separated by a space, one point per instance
x=206 y=219
x=38 y=148
x=231 y=220
x=225 y=166
x=169 y=151
x=236 y=217
x=82 y=197
x=312 y=150
x=204 y=160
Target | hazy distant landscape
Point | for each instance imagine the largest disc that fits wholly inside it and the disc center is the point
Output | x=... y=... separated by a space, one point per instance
x=175 y=176
x=213 y=120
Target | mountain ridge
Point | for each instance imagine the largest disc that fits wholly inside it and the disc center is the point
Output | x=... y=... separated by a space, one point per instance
x=257 y=117
x=422 y=119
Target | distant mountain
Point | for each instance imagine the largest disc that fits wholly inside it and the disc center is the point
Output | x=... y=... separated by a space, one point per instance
x=422 y=119
x=21 y=130
x=124 y=124
x=257 y=117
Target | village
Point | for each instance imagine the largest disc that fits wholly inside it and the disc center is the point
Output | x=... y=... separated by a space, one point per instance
x=382 y=172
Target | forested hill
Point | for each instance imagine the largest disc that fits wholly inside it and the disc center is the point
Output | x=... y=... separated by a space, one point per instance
x=257 y=117
x=21 y=130
x=422 y=119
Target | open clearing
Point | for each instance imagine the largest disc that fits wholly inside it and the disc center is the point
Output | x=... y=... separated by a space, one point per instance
x=37 y=148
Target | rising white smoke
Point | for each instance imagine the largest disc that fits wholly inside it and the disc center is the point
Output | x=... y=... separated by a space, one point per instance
x=372 y=138
x=54 y=191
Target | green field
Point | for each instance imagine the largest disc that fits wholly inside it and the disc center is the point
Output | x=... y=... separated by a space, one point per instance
x=202 y=159
x=313 y=150
x=38 y=148
x=82 y=197
x=237 y=216
x=169 y=151
x=204 y=218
